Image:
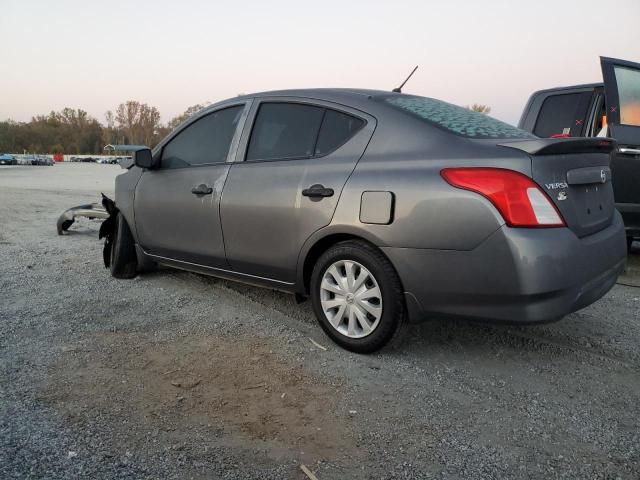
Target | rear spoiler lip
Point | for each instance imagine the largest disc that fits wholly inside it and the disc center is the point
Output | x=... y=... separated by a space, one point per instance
x=558 y=146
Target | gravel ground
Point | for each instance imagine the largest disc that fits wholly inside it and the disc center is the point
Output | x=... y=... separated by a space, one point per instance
x=176 y=375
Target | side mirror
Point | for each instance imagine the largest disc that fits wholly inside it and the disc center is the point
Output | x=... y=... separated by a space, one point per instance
x=142 y=158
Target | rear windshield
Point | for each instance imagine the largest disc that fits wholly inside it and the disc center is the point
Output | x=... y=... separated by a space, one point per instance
x=458 y=120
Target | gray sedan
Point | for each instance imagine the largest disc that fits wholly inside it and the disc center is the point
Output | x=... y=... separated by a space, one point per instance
x=380 y=207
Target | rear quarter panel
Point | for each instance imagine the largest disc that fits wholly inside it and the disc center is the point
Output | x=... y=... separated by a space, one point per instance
x=405 y=157
x=427 y=213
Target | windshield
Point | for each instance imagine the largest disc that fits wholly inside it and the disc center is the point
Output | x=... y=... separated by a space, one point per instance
x=458 y=120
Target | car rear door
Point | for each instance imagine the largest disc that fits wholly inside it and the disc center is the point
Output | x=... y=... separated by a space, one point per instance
x=294 y=158
x=176 y=205
x=622 y=93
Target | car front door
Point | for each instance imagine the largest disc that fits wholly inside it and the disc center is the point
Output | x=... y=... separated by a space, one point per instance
x=285 y=184
x=622 y=93
x=176 y=205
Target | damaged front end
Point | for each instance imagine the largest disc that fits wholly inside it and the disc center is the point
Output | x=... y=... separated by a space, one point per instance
x=108 y=228
x=90 y=211
x=114 y=224
x=106 y=210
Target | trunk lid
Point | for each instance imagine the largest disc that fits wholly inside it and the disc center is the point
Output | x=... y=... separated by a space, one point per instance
x=575 y=173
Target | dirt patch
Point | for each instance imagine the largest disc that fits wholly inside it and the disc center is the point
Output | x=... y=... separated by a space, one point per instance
x=240 y=390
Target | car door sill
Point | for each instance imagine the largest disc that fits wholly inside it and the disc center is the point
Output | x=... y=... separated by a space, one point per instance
x=221 y=272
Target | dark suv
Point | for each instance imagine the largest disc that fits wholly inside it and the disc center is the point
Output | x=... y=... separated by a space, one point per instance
x=612 y=109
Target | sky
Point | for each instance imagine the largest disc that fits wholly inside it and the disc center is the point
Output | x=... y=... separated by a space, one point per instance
x=172 y=54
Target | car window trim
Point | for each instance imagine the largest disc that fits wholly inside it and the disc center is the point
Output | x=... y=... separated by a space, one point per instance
x=244 y=149
x=597 y=100
x=315 y=144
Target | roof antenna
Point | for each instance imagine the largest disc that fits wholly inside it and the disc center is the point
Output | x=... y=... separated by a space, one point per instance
x=399 y=89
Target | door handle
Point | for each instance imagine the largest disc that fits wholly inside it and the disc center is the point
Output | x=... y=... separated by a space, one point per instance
x=202 y=189
x=629 y=151
x=317 y=191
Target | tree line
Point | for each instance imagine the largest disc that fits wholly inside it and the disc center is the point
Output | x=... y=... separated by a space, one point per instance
x=74 y=131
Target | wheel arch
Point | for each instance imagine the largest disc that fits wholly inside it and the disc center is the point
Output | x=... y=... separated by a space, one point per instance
x=319 y=243
x=324 y=239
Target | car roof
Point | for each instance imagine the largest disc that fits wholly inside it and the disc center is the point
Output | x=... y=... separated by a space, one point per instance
x=358 y=98
x=321 y=93
x=569 y=87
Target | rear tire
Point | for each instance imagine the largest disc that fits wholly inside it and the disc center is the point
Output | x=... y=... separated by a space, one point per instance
x=124 y=261
x=357 y=296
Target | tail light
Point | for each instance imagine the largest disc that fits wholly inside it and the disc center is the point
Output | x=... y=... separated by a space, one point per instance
x=518 y=199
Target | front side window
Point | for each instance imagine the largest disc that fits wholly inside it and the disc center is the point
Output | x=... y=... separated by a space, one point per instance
x=205 y=141
x=284 y=131
x=563 y=114
x=458 y=120
x=628 y=82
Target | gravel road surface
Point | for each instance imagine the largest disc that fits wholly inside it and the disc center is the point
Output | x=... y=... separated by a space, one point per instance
x=175 y=375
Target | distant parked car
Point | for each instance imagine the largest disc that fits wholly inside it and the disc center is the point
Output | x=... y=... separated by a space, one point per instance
x=6 y=159
x=42 y=160
x=378 y=206
x=611 y=108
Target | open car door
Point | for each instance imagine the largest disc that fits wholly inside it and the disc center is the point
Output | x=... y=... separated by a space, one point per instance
x=622 y=96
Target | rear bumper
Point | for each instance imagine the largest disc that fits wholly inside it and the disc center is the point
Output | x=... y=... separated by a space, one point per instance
x=631 y=216
x=516 y=275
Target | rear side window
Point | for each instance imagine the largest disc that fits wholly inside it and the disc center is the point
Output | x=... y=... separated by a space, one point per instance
x=563 y=114
x=285 y=131
x=453 y=118
x=337 y=128
x=628 y=82
x=207 y=140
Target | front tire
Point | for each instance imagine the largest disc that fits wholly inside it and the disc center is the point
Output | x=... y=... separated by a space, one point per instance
x=123 y=259
x=357 y=296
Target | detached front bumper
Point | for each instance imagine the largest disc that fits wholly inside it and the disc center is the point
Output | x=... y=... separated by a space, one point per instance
x=91 y=211
x=516 y=275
